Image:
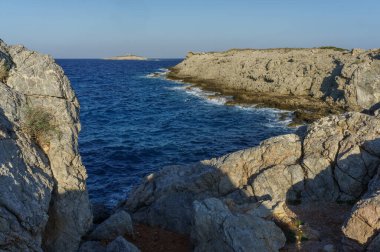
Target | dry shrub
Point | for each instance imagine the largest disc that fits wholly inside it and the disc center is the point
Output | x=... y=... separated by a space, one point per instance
x=41 y=125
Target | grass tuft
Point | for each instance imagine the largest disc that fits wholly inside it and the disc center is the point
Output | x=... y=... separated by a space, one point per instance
x=41 y=125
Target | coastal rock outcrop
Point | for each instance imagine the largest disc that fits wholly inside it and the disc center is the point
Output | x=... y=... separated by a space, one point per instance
x=332 y=160
x=216 y=228
x=364 y=221
x=43 y=198
x=320 y=80
x=119 y=223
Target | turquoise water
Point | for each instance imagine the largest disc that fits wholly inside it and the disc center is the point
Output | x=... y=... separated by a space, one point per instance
x=133 y=124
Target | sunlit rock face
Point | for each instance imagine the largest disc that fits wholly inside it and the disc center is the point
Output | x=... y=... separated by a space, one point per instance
x=43 y=198
x=336 y=159
x=320 y=80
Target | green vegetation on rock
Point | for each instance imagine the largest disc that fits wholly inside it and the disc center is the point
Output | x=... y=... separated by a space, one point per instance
x=40 y=125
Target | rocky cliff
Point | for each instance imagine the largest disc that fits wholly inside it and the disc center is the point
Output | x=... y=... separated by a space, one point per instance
x=316 y=80
x=43 y=198
x=239 y=201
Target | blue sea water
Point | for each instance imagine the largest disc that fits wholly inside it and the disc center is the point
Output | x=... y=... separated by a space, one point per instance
x=133 y=124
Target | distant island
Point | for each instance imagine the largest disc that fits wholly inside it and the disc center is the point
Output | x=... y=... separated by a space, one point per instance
x=126 y=57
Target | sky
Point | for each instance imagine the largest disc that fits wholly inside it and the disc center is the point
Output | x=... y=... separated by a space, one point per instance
x=171 y=28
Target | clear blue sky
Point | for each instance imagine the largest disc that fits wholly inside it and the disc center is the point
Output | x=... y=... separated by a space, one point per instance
x=170 y=28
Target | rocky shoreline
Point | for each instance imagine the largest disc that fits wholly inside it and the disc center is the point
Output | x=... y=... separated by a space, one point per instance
x=313 y=82
x=334 y=160
x=315 y=190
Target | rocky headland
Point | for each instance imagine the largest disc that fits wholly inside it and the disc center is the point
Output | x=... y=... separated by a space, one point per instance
x=313 y=82
x=315 y=190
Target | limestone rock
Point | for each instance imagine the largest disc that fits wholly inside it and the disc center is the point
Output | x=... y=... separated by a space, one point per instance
x=337 y=158
x=313 y=79
x=117 y=224
x=41 y=187
x=165 y=198
x=364 y=221
x=121 y=245
x=26 y=184
x=331 y=160
x=5 y=62
x=217 y=229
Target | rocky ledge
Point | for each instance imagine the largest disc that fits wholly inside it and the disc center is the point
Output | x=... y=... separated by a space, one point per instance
x=254 y=199
x=315 y=82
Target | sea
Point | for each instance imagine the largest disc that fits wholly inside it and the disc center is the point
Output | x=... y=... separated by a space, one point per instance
x=135 y=122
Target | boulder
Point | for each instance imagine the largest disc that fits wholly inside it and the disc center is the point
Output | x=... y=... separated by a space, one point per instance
x=117 y=224
x=121 y=245
x=216 y=228
x=363 y=223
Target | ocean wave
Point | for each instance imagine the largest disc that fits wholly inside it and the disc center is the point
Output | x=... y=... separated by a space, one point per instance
x=207 y=96
x=278 y=117
x=160 y=73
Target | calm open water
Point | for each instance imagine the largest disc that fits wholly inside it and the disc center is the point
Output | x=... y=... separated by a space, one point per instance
x=133 y=125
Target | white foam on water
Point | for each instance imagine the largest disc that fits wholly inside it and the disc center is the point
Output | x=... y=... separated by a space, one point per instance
x=246 y=107
x=161 y=73
x=215 y=98
x=165 y=70
x=208 y=96
x=220 y=100
x=151 y=75
x=181 y=88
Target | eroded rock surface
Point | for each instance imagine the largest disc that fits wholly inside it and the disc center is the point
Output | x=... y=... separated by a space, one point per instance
x=43 y=197
x=364 y=222
x=331 y=160
x=216 y=228
x=319 y=80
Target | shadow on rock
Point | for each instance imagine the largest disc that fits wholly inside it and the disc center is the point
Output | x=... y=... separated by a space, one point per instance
x=305 y=183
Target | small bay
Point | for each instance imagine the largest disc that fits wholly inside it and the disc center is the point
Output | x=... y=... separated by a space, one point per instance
x=133 y=124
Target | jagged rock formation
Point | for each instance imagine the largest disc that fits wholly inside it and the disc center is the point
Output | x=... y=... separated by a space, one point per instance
x=335 y=159
x=43 y=198
x=317 y=80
